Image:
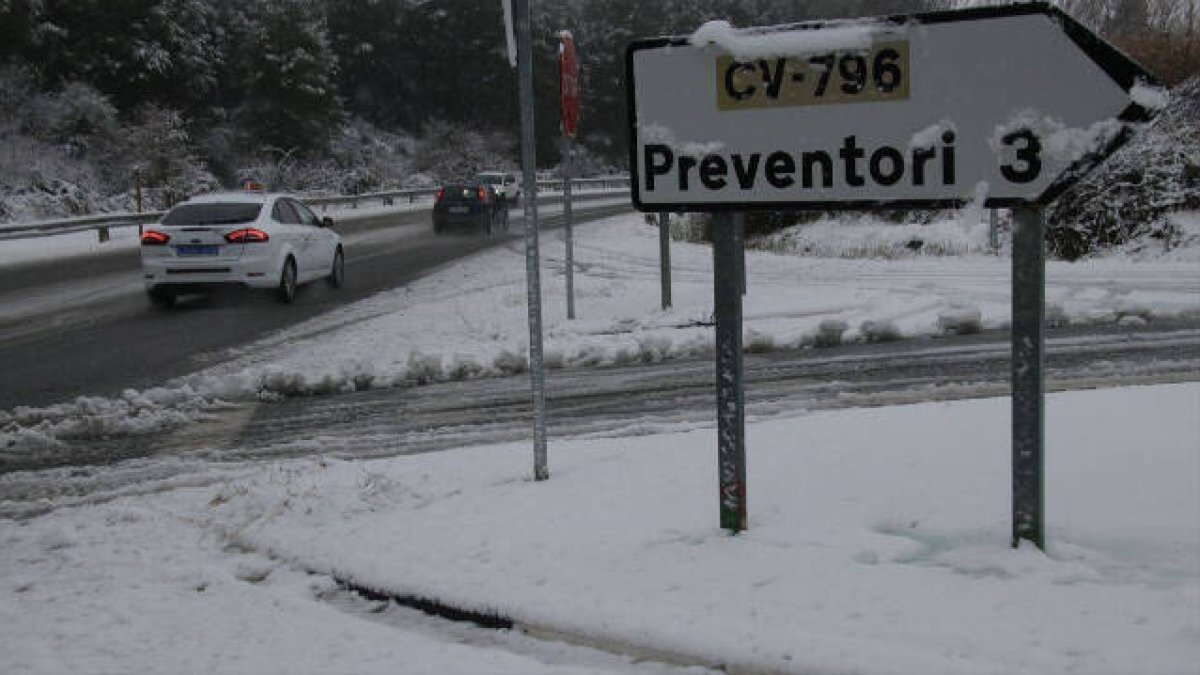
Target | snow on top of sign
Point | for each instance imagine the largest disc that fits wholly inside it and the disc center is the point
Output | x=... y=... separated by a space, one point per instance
x=653 y=132
x=973 y=222
x=749 y=44
x=1072 y=143
x=1149 y=96
x=931 y=135
x=1058 y=141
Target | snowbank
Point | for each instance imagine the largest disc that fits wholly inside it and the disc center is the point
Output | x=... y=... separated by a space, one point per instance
x=878 y=542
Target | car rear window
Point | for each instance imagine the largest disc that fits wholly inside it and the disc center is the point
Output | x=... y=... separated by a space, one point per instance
x=215 y=213
x=461 y=193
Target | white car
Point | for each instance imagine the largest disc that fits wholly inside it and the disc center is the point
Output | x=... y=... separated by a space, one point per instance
x=503 y=183
x=253 y=239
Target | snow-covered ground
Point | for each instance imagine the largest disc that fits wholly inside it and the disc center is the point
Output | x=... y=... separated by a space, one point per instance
x=878 y=541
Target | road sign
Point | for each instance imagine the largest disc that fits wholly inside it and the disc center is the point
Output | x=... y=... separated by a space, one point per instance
x=568 y=83
x=1009 y=104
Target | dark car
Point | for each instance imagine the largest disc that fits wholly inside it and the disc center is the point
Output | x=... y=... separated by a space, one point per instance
x=469 y=205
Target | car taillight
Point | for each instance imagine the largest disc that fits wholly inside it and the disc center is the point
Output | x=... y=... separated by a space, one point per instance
x=441 y=193
x=248 y=235
x=483 y=195
x=154 y=238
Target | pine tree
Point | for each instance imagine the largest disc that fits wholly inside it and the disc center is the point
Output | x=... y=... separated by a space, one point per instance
x=135 y=51
x=283 y=75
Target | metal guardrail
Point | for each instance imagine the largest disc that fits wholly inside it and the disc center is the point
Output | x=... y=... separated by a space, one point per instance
x=389 y=198
x=104 y=223
x=101 y=223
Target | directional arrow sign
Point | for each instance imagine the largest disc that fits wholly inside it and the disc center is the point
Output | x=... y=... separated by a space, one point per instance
x=1008 y=104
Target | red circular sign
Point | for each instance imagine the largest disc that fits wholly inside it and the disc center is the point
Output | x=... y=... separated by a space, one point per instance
x=568 y=84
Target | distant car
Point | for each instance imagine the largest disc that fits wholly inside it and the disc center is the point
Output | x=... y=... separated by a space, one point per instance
x=252 y=239
x=473 y=205
x=503 y=183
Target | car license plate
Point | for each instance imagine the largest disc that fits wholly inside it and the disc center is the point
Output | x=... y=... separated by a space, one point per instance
x=190 y=249
x=459 y=209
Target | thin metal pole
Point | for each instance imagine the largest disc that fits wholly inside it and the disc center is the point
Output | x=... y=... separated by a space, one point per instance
x=731 y=418
x=739 y=231
x=567 y=221
x=524 y=30
x=664 y=257
x=1028 y=386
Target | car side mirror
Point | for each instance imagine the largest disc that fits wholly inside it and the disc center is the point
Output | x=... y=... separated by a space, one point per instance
x=326 y=222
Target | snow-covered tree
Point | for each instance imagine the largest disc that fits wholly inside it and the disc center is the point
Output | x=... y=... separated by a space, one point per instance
x=283 y=74
x=134 y=51
x=1155 y=174
x=159 y=148
x=457 y=152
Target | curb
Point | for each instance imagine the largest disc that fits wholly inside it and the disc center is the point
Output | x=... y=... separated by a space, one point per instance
x=497 y=621
x=429 y=606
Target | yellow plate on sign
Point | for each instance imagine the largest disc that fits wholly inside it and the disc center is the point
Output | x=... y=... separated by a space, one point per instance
x=880 y=74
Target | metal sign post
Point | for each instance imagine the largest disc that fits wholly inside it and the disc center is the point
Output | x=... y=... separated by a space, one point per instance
x=931 y=110
x=568 y=234
x=137 y=189
x=568 y=97
x=521 y=15
x=664 y=258
x=1028 y=385
x=731 y=415
x=739 y=231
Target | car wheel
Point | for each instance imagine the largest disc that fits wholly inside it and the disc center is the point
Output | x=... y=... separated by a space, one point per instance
x=286 y=291
x=337 y=274
x=438 y=227
x=161 y=298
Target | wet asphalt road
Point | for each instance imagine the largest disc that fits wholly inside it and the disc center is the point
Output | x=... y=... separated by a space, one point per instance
x=111 y=339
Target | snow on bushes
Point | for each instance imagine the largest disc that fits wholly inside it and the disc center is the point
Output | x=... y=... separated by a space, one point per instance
x=960 y=321
x=1133 y=194
x=870 y=236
